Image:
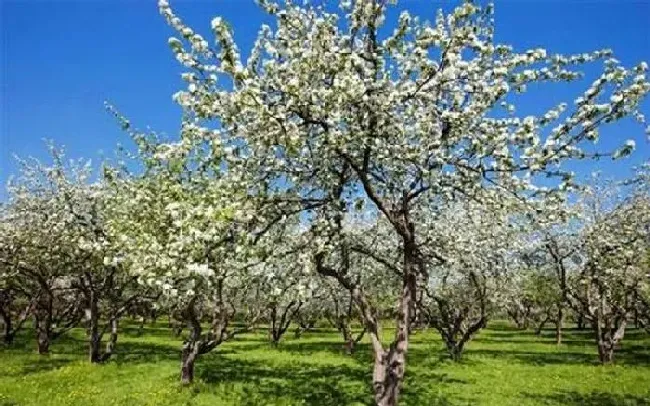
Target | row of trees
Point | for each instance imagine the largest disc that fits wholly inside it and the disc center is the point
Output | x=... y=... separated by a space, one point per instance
x=343 y=173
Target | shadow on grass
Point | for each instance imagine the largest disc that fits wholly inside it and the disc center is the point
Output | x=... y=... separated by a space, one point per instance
x=536 y=357
x=362 y=354
x=631 y=355
x=312 y=384
x=42 y=364
x=544 y=339
x=302 y=383
x=591 y=399
x=133 y=352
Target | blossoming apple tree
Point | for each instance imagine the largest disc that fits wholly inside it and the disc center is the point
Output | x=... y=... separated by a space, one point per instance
x=608 y=268
x=465 y=286
x=188 y=237
x=333 y=110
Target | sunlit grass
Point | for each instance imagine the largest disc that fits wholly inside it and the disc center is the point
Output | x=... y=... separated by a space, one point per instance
x=502 y=366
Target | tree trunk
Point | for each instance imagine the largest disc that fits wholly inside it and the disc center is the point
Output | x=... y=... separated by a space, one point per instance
x=112 y=341
x=298 y=332
x=8 y=337
x=605 y=352
x=178 y=329
x=558 y=325
x=192 y=346
x=348 y=341
x=43 y=336
x=580 y=322
x=607 y=338
x=43 y=331
x=390 y=366
x=454 y=348
x=43 y=343
x=456 y=352
x=541 y=325
x=143 y=321
x=94 y=335
x=189 y=354
x=388 y=374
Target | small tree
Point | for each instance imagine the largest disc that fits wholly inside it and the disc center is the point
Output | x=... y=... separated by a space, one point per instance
x=462 y=294
x=15 y=308
x=610 y=263
x=285 y=295
x=16 y=301
x=341 y=314
x=42 y=246
x=188 y=239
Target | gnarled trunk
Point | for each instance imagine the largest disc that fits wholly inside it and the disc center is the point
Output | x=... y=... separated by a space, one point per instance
x=43 y=334
x=304 y=326
x=96 y=332
x=143 y=322
x=43 y=322
x=94 y=335
x=349 y=341
x=112 y=341
x=278 y=327
x=607 y=338
x=390 y=366
x=558 y=325
x=189 y=353
x=8 y=336
x=456 y=351
x=192 y=346
x=540 y=327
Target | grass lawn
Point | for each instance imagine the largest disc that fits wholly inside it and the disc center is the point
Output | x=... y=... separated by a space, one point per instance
x=502 y=366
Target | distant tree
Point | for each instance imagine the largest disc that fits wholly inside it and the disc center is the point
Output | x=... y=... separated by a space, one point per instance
x=187 y=237
x=466 y=287
x=610 y=265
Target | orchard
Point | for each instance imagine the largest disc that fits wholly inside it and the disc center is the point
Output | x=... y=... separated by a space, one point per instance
x=351 y=188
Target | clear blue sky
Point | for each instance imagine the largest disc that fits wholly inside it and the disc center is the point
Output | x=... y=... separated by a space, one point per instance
x=61 y=59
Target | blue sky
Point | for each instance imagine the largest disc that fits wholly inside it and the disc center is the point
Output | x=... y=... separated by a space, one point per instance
x=60 y=59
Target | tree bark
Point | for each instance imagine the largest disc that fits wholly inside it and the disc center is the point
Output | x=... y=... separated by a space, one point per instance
x=8 y=337
x=43 y=335
x=558 y=325
x=189 y=353
x=350 y=342
x=541 y=325
x=607 y=339
x=192 y=346
x=455 y=350
x=43 y=323
x=112 y=341
x=143 y=321
x=278 y=327
x=94 y=335
x=390 y=366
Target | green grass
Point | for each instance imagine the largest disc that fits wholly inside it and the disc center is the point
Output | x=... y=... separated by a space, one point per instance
x=502 y=366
